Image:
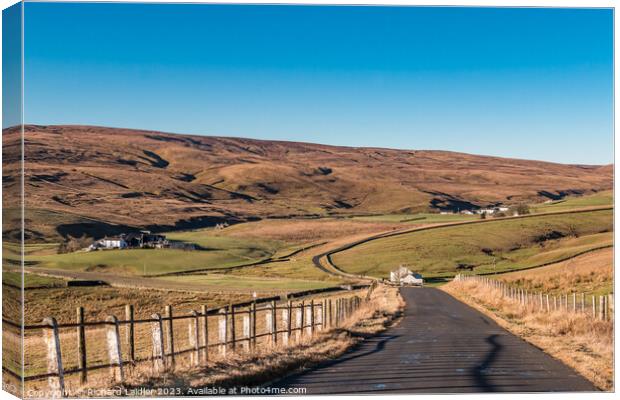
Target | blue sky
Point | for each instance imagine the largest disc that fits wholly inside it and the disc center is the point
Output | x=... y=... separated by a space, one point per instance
x=526 y=83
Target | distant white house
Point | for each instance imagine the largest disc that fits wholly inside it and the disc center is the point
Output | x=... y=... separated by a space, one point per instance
x=109 y=243
x=467 y=212
x=403 y=276
x=490 y=210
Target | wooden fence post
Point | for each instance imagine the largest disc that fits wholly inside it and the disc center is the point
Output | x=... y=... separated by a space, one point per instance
x=247 y=338
x=54 y=358
x=223 y=330
x=170 y=335
x=548 y=306
x=81 y=346
x=337 y=313
x=205 y=334
x=274 y=321
x=113 y=337
x=309 y=317
x=330 y=312
x=540 y=298
x=253 y=325
x=129 y=333
x=157 y=332
x=194 y=337
x=233 y=333
x=323 y=314
x=601 y=307
x=574 y=302
x=303 y=318
x=313 y=317
x=289 y=320
x=610 y=301
x=319 y=316
x=299 y=318
x=593 y=307
x=269 y=323
x=285 y=336
x=583 y=302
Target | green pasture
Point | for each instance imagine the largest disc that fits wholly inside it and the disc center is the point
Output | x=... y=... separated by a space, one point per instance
x=31 y=280
x=416 y=219
x=604 y=198
x=242 y=282
x=496 y=245
x=215 y=251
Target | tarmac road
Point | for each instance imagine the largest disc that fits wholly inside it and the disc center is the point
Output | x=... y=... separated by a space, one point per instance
x=440 y=346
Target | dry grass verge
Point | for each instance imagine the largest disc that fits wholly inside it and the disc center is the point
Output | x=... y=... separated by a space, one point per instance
x=582 y=343
x=265 y=364
x=591 y=273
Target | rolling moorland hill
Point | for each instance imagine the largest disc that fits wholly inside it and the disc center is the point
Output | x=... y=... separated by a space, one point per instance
x=95 y=180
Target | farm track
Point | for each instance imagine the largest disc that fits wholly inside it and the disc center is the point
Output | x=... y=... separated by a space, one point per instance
x=335 y=270
x=440 y=346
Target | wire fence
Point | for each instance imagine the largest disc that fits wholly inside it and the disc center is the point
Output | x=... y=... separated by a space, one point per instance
x=599 y=307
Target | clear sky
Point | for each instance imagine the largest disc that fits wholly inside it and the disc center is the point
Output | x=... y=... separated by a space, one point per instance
x=526 y=83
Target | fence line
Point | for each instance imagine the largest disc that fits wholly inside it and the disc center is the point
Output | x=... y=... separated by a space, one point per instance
x=545 y=302
x=235 y=329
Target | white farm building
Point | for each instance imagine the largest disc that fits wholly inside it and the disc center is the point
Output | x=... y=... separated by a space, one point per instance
x=403 y=276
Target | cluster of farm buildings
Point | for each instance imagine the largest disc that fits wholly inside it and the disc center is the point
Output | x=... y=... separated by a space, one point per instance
x=489 y=210
x=134 y=240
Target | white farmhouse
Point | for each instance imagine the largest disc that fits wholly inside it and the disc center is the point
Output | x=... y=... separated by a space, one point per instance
x=403 y=276
x=109 y=243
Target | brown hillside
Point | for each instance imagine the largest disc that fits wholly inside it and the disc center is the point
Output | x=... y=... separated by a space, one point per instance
x=161 y=180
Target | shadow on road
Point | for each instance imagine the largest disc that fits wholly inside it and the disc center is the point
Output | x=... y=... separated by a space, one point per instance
x=352 y=354
x=479 y=372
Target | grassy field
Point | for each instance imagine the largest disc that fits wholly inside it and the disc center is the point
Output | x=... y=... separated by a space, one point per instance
x=417 y=219
x=243 y=282
x=492 y=246
x=218 y=249
x=31 y=280
x=299 y=268
x=102 y=301
x=215 y=252
x=307 y=230
x=604 y=198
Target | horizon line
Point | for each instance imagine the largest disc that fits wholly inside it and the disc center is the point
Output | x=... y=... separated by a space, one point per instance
x=311 y=143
